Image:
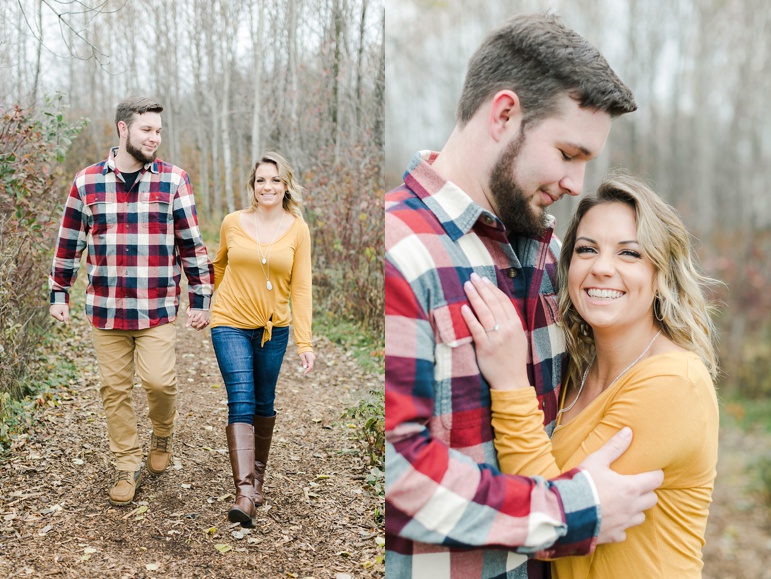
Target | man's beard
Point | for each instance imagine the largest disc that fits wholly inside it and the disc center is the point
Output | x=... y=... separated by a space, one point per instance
x=511 y=205
x=140 y=156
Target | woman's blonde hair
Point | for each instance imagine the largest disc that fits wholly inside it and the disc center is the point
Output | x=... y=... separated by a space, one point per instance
x=680 y=308
x=293 y=196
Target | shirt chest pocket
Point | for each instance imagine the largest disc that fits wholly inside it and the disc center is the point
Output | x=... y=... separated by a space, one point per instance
x=154 y=211
x=102 y=212
x=462 y=399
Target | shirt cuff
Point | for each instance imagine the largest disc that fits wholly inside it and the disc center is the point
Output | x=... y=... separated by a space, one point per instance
x=199 y=302
x=60 y=298
x=581 y=504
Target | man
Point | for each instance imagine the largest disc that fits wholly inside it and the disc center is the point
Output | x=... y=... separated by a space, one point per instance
x=536 y=106
x=137 y=215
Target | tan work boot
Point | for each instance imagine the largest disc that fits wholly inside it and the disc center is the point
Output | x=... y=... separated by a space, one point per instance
x=159 y=457
x=124 y=487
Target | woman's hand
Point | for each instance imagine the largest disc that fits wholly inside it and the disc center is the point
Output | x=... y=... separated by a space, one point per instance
x=307 y=359
x=501 y=343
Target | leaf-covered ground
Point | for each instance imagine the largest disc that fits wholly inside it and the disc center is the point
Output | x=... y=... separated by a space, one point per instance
x=319 y=516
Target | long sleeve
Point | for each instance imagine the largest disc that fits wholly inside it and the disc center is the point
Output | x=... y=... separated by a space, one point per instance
x=220 y=262
x=301 y=291
x=435 y=494
x=73 y=234
x=521 y=442
x=192 y=251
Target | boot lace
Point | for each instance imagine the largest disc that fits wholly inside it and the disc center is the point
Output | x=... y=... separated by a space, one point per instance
x=161 y=443
x=124 y=475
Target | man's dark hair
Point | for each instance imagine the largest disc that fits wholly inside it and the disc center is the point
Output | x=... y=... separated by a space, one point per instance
x=539 y=58
x=134 y=104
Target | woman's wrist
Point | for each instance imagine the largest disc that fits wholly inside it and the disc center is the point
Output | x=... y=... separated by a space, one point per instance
x=510 y=383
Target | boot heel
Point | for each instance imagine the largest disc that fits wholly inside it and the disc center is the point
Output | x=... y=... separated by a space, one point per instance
x=236 y=515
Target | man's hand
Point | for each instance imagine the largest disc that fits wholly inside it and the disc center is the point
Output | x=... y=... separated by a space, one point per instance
x=198 y=319
x=623 y=498
x=61 y=312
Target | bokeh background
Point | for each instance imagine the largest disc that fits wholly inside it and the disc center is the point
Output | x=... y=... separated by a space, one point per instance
x=701 y=73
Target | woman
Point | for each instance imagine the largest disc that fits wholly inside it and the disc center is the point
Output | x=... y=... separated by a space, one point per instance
x=636 y=322
x=264 y=258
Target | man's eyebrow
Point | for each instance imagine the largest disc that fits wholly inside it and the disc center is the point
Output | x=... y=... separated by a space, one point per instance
x=584 y=151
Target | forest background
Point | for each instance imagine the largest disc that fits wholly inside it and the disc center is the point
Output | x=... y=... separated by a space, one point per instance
x=237 y=78
x=701 y=74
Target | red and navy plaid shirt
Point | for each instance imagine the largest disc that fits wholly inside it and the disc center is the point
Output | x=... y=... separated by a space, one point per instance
x=138 y=242
x=450 y=513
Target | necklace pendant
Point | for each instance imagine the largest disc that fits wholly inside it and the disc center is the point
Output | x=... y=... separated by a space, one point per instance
x=264 y=261
x=270 y=285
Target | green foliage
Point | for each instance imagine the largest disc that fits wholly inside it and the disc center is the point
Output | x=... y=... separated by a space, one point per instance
x=44 y=384
x=370 y=417
x=746 y=413
x=32 y=146
x=761 y=474
x=367 y=346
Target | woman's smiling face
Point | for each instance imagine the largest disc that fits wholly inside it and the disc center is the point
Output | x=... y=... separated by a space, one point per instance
x=610 y=282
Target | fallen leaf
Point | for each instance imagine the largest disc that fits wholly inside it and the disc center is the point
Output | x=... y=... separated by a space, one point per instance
x=77 y=461
x=322 y=476
x=152 y=566
x=211 y=530
x=222 y=548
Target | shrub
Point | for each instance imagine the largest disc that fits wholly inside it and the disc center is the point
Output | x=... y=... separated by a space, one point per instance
x=345 y=212
x=32 y=146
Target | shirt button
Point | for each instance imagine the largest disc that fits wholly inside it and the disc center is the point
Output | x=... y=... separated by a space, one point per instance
x=488 y=220
x=512 y=273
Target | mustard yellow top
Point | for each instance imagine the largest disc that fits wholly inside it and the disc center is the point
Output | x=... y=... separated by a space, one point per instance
x=669 y=402
x=242 y=299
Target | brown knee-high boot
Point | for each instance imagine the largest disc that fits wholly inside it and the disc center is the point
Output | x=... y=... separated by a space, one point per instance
x=263 y=435
x=241 y=449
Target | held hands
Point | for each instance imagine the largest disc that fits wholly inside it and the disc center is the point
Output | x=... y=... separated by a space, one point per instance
x=500 y=340
x=623 y=498
x=61 y=312
x=198 y=319
x=307 y=359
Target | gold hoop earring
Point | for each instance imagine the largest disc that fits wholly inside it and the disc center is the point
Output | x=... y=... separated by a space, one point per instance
x=658 y=309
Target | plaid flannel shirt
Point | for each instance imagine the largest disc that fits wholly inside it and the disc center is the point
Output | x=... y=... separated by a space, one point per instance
x=138 y=242
x=450 y=513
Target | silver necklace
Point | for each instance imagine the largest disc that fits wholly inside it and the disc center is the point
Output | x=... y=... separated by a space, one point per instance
x=265 y=257
x=624 y=371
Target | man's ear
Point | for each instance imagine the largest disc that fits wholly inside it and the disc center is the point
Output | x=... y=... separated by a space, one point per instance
x=505 y=114
x=122 y=128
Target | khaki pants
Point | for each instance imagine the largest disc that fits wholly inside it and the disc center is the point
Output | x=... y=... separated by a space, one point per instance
x=116 y=352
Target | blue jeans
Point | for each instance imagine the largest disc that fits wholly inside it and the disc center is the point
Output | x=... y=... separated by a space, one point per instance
x=250 y=371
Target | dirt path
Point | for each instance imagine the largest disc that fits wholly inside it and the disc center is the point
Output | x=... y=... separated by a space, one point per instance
x=318 y=520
